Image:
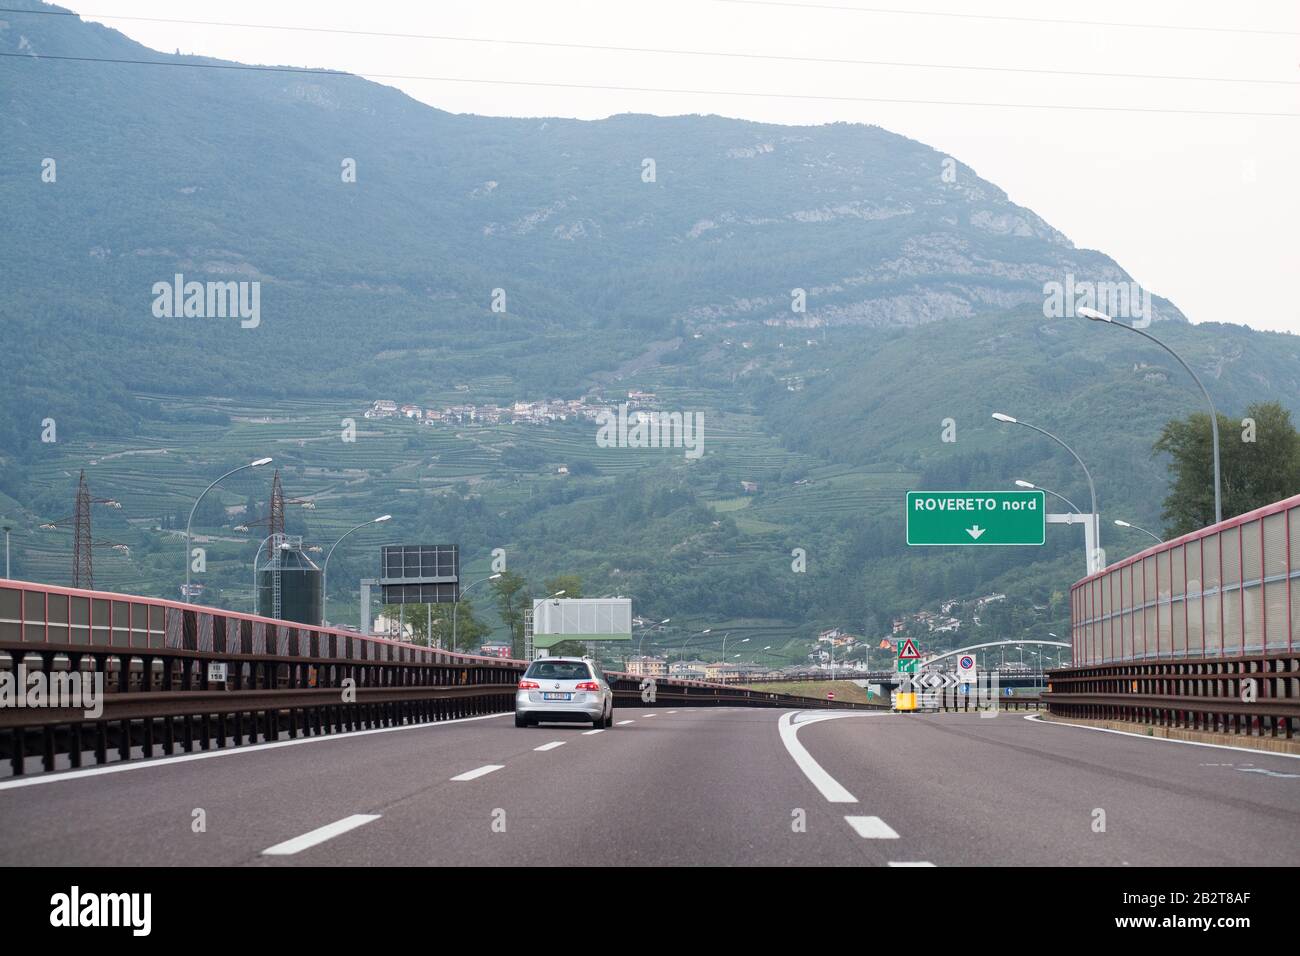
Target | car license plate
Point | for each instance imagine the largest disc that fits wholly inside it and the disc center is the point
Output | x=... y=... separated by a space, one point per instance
x=550 y=696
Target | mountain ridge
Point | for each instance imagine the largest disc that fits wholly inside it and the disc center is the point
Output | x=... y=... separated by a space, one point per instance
x=924 y=300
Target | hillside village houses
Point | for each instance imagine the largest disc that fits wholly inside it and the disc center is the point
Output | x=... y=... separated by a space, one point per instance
x=587 y=408
x=836 y=638
x=944 y=622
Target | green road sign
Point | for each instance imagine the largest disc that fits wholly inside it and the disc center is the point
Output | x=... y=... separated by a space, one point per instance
x=908 y=655
x=975 y=517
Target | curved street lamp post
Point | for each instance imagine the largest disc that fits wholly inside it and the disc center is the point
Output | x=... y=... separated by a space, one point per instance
x=1095 y=316
x=456 y=607
x=1095 y=558
x=325 y=568
x=189 y=557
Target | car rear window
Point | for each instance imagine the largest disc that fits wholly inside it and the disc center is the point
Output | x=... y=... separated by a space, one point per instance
x=559 y=670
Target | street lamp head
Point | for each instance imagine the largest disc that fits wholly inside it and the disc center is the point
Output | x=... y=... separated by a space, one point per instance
x=1025 y=484
x=1093 y=314
x=1122 y=524
x=665 y=620
x=707 y=630
x=493 y=577
x=382 y=518
x=745 y=641
x=259 y=462
x=998 y=416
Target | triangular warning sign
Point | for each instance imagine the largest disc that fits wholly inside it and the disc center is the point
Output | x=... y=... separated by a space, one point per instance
x=909 y=651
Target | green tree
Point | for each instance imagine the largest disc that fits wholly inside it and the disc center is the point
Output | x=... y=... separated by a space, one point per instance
x=470 y=631
x=1259 y=464
x=413 y=616
x=570 y=584
x=511 y=594
x=419 y=618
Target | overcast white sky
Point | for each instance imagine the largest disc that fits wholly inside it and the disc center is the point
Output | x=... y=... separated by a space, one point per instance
x=1202 y=209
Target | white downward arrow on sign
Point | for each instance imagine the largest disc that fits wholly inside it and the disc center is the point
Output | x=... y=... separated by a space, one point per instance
x=975 y=531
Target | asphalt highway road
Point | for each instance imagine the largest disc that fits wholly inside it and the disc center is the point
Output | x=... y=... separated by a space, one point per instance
x=675 y=787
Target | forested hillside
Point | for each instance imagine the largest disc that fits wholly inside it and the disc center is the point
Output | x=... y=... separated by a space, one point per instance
x=826 y=297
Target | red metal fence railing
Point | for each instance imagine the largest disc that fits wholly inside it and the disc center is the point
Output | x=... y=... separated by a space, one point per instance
x=154 y=661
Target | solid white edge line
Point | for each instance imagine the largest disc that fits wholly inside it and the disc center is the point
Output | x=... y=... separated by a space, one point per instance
x=827 y=785
x=872 y=828
x=144 y=763
x=320 y=835
x=551 y=746
x=477 y=772
x=1267 y=772
x=1168 y=740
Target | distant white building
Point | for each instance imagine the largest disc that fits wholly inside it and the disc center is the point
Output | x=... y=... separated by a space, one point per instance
x=647 y=666
x=688 y=670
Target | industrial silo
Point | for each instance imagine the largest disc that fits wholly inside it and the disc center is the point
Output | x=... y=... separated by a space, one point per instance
x=289 y=583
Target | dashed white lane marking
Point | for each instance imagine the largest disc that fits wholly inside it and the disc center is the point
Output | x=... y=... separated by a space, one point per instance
x=478 y=772
x=1168 y=740
x=649 y=715
x=551 y=746
x=672 y=711
x=910 y=863
x=623 y=723
x=156 y=762
x=320 y=835
x=872 y=828
x=588 y=733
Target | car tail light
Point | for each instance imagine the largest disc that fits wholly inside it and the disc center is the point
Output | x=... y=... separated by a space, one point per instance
x=587 y=685
x=529 y=685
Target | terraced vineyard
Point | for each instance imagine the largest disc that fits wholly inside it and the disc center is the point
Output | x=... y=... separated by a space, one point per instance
x=403 y=467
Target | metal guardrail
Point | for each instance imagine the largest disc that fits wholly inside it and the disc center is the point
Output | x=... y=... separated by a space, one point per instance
x=162 y=701
x=962 y=703
x=627 y=692
x=809 y=675
x=873 y=677
x=1254 y=695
